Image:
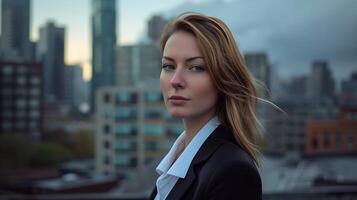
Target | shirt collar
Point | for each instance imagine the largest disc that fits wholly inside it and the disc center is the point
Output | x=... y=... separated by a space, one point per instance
x=183 y=162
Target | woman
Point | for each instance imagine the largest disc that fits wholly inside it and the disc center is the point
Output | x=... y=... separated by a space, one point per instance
x=205 y=82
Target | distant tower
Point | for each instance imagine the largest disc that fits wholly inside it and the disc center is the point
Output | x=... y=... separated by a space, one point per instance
x=15 y=29
x=51 y=48
x=322 y=83
x=136 y=63
x=259 y=67
x=156 y=25
x=103 y=45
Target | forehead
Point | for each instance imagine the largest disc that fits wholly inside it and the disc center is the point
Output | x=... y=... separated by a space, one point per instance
x=182 y=45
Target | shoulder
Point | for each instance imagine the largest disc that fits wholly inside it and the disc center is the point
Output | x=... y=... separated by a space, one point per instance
x=232 y=173
x=231 y=160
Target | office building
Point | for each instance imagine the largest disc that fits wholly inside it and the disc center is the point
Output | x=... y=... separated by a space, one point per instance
x=51 y=51
x=133 y=128
x=322 y=84
x=155 y=28
x=74 y=93
x=259 y=67
x=137 y=63
x=333 y=137
x=21 y=98
x=103 y=45
x=286 y=130
x=15 y=30
x=348 y=96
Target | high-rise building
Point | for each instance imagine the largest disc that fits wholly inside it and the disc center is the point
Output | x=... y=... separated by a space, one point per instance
x=15 y=30
x=348 y=96
x=20 y=98
x=137 y=63
x=322 y=84
x=74 y=93
x=133 y=128
x=103 y=45
x=51 y=47
x=156 y=26
x=259 y=67
x=286 y=131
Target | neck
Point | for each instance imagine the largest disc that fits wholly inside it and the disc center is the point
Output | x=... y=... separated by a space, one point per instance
x=194 y=124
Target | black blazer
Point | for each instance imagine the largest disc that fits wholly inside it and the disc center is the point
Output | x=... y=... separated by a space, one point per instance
x=221 y=169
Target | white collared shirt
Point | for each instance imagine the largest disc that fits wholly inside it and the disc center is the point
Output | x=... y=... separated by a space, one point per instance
x=170 y=175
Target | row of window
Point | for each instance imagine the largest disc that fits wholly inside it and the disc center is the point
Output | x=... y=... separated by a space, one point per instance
x=8 y=70
x=132 y=98
x=338 y=141
x=7 y=92
x=8 y=125
x=148 y=129
x=19 y=114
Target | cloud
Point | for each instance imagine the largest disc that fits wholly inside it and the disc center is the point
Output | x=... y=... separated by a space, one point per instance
x=293 y=33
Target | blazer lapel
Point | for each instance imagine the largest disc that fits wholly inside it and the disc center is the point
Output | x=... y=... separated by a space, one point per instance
x=206 y=150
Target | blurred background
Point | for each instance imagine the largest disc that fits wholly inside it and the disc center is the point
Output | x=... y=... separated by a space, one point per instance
x=82 y=116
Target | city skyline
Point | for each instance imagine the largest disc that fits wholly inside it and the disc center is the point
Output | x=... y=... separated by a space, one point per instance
x=313 y=30
x=75 y=16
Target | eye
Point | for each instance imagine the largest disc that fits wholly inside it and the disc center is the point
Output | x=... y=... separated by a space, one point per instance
x=168 y=67
x=197 y=68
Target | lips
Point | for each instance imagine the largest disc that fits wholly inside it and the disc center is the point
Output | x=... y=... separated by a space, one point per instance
x=178 y=98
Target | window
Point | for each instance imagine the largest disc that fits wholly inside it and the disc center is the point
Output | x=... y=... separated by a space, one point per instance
x=34 y=114
x=107 y=160
x=125 y=145
x=314 y=143
x=7 y=70
x=337 y=140
x=153 y=129
x=125 y=113
x=152 y=97
x=125 y=129
x=34 y=103
x=106 y=128
x=350 y=140
x=151 y=146
x=20 y=103
x=34 y=92
x=106 y=98
x=106 y=144
x=21 y=70
x=21 y=80
x=152 y=113
x=326 y=139
x=123 y=160
x=35 y=80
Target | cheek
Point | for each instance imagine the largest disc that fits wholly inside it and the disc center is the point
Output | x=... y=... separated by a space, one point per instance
x=205 y=91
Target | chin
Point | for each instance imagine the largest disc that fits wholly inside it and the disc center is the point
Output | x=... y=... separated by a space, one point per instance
x=178 y=114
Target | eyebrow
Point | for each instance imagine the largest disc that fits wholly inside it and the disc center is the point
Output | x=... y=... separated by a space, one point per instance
x=187 y=60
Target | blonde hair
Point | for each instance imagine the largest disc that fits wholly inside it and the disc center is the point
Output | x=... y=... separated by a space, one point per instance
x=237 y=103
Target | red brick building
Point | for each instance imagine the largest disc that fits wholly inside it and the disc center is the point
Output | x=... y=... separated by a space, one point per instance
x=326 y=137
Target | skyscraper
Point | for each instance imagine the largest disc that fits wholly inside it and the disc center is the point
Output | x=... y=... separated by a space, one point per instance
x=259 y=67
x=15 y=29
x=74 y=93
x=51 y=54
x=156 y=25
x=322 y=84
x=103 y=45
x=136 y=63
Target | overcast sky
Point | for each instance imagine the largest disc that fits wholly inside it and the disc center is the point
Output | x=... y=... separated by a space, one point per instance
x=292 y=32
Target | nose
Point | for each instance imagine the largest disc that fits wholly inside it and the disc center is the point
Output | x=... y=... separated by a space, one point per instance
x=177 y=80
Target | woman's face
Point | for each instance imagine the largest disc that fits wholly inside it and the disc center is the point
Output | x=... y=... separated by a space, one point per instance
x=185 y=82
